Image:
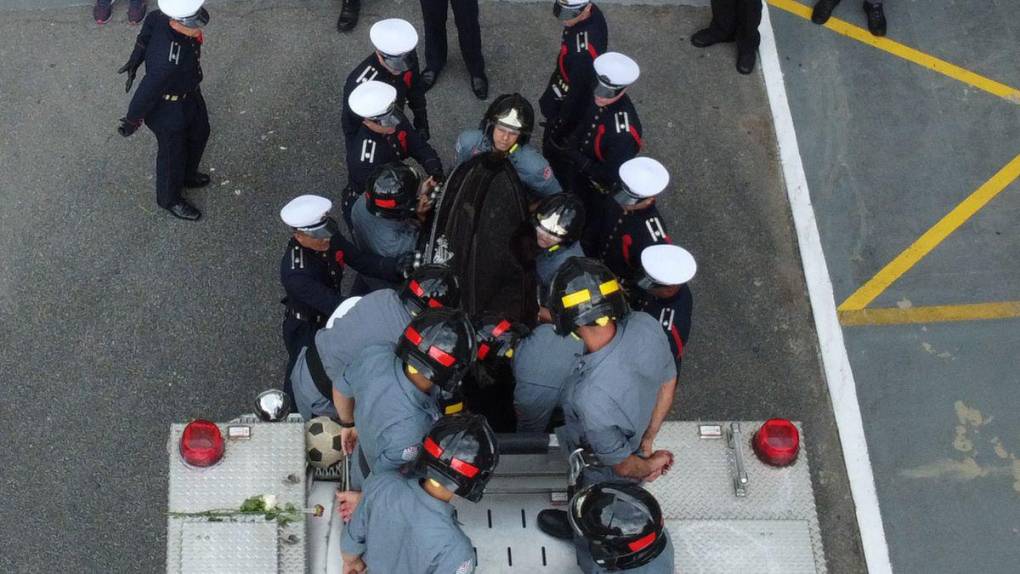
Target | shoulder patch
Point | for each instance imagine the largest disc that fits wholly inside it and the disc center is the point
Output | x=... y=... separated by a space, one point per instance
x=410 y=453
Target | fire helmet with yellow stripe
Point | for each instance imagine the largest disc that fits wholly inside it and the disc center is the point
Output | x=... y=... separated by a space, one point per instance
x=439 y=344
x=585 y=292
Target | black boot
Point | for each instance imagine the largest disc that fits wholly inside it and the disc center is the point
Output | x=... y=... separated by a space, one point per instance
x=555 y=523
x=745 y=61
x=823 y=9
x=707 y=37
x=876 y=18
x=348 y=15
x=184 y=210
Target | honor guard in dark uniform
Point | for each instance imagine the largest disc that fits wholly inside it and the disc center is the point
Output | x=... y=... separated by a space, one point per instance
x=585 y=37
x=387 y=218
x=377 y=319
x=608 y=132
x=619 y=527
x=399 y=391
x=663 y=293
x=405 y=523
x=310 y=277
x=384 y=136
x=506 y=129
x=628 y=221
x=559 y=221
x=394 y=62
x=169 y=100
x=738 y=20
x=465 y=14
x=623 y=385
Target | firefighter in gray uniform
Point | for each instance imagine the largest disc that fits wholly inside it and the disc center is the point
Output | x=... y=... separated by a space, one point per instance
x=629 y=222
x=397 y=392
x=663 y=293
x=387 y=218
x=619 y=527
x=622 y=387
x=559 y=221
x=406 y=524
x=506 y=129
x=377 y=318
x=543 y=364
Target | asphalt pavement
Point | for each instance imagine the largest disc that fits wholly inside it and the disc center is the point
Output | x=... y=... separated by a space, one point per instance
x=117 y=320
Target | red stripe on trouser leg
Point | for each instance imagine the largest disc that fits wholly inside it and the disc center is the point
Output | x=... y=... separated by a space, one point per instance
x=679 y=342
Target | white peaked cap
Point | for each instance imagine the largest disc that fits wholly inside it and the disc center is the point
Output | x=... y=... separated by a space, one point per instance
x=393 y=36
x=341 y=310
x=644 y=177
x=620 y=70
x=372 y=98
x=305 y=211
x=668 y=264
x=573 y=3
x=180 y=8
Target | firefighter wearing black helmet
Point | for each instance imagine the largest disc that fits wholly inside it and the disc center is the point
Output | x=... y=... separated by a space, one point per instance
x=406 y=523
x=377 y=318
x=506 y=129
x=399 y=391
x=559 y=222
x=623 y=385
x=387 y=218
x=619 y=527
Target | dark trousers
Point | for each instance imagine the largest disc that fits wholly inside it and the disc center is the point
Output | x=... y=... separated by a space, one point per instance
x=465 y=15
x=738 y=19
x=182 y=130
x=297 y=334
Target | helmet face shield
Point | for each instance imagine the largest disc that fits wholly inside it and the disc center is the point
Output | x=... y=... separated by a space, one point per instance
x=197 y=20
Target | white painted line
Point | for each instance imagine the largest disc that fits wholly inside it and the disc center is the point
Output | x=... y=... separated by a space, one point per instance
x=838 y=375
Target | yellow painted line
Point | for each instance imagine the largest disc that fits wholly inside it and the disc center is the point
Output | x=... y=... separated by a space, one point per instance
x=937 y=314
x=931 y=238
x=906 y=52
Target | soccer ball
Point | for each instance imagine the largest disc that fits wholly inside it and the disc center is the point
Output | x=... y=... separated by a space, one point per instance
x=322 y=442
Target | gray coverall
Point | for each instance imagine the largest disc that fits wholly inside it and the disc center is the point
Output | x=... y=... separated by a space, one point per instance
x=542 y=363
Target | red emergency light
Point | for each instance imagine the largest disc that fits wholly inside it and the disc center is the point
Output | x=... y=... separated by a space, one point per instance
x=201 y=444
x=777 y=442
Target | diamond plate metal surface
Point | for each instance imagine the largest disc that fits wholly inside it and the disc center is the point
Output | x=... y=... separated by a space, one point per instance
x=228 y=547
x=272 y=461
x=745 y=546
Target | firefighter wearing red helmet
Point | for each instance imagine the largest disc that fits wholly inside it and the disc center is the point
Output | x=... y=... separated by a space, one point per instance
x=406 y=523
x=618 y=526
x=622 y=386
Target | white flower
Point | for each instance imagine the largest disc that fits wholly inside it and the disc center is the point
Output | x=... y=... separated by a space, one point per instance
x=269 y=501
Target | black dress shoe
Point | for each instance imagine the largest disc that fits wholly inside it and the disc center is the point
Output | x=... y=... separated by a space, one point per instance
x=480 y=86
x=823 y=10
x=184 y=210
x=745 y=62
x=555 y=523
x=707 y=37
x=348 y=15
x=876 y=18
x=428 y=78
x=197 y=180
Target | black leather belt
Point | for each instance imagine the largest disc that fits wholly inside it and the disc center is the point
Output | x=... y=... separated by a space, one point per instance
x=318 y=372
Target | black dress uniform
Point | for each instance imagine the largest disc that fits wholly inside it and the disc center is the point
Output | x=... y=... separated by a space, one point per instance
x=604 y=139
x=368 y=150
x=311 y=280
x=674 y=315
x=170 y=103
x=570 y=85
x=618 y=237
x=410 y=92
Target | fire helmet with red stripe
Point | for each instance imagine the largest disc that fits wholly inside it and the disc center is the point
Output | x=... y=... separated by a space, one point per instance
x=439 y=344
x=431 y=286
x=392 y=191
x=459 y=453
x=621 y=522
x=585 y=292
x=498 y=337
